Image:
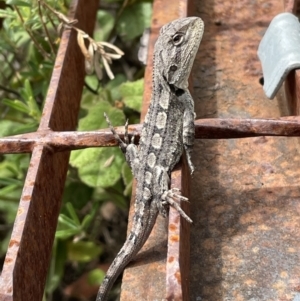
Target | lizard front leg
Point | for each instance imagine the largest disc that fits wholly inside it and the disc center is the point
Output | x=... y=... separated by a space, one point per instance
x=188 y=133
x=130 y=150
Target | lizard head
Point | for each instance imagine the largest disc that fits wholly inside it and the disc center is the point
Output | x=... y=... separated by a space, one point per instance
x=176 y=48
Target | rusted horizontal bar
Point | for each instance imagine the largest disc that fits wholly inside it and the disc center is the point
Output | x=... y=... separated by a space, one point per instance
x=205 y=129
x=243 y=128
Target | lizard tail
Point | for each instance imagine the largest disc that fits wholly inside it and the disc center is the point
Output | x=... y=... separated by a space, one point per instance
x=134 y=242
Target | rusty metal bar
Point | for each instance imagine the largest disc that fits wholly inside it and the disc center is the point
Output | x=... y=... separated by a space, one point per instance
x=178 y=257
x=292 y=89
x=291 y=6
x=28 y=255
x=205 y=129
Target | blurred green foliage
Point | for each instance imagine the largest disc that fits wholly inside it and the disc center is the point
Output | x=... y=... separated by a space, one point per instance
x=96 y=175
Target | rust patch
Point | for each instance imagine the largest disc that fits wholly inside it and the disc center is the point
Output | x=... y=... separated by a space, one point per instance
x=174 y=238
x=13 y=243
x=8 y=260
x=26 y=198
x=172 y=227
x=171 y=259
x=178 y=277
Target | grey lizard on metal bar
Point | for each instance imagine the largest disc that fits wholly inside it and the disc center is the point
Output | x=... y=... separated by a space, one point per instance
x=168 y=130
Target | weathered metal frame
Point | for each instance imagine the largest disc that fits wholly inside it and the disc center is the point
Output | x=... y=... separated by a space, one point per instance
x=28 y=255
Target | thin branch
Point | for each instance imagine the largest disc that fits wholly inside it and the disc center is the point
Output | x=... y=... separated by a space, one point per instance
x=113 y=31
x=51 y=21
x=89 y=88
x=40 y=49
x=45 y=28
x=14 y=71
x=10 y=91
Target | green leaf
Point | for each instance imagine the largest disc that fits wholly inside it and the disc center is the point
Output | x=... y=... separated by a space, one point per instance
x=34 y=110
x=8 y=181
x=24 y=128
x=72 y=213
x=134 y=19
x=7 y=127
x=4 y=244
x=98 y=167
x=64 y=234
x=115 y=194
x=6 y=13
x=14 y=166
x=27 y=89
x=92 y=81
x=132 y=93
x=5 y=191
x=95 y=118
x=78 y=194
x=57 y=265
x=105 y=25
x=10 y=210
x=18 y=3
x=66 y=222
x=88 y=218
x=86 y=221
x=113 y=86
x=17 y=105
x=83 y=251
x=95 y=277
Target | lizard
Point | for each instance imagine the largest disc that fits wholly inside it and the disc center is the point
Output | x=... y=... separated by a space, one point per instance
x=168 y=132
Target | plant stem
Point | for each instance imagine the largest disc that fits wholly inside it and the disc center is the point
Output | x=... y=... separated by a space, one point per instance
x=45 y=28
x=40 y=49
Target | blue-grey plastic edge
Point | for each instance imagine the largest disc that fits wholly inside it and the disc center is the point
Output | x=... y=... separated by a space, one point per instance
x=279 y=51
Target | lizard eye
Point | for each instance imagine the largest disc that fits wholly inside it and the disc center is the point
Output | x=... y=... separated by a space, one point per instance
x=177 y=39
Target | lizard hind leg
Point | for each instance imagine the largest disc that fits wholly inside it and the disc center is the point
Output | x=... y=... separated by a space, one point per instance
x=168 y=196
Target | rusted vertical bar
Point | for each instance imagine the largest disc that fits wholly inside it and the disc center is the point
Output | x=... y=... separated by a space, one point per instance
x=28 y=255
x=291 y=6
x=292 y=91
x=145 y=279
x=178 y=257
x=292 y=82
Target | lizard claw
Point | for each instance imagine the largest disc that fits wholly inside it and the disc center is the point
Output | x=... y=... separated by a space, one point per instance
x=122 y=145
x=168 y=198
x=126 y=138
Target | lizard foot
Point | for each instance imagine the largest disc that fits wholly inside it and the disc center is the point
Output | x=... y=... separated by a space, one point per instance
x=168 y=198
x=122 y=145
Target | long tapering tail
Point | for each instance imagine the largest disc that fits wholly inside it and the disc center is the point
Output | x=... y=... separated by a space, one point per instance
x=139 y=233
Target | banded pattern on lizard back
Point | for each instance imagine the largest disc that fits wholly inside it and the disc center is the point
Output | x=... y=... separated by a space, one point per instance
x=167 y=131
